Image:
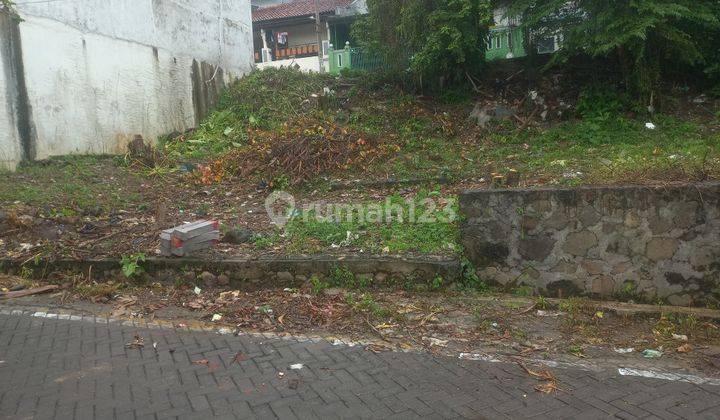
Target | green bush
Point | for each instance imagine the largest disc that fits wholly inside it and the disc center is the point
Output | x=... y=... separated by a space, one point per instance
x=262 y=100
x=438 y=43
x=601 y=102
x=643 y=40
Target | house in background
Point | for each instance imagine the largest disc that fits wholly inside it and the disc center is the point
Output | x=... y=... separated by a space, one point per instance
x=506 y=40
x=284 y=33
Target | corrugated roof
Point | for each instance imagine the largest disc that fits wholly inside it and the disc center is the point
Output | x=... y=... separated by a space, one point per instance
x=297 y=8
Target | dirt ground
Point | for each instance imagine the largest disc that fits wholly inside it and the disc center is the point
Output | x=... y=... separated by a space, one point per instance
x=474 y=325
x=109 y=228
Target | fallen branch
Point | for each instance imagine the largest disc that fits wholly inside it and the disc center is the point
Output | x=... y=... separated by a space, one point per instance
x=367 y=320
x=544 y=375
x=529 y=119
x=106 y=237
x=28 y=292
x=530 y=308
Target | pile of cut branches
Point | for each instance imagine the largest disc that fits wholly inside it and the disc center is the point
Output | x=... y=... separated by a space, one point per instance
x=304 y=148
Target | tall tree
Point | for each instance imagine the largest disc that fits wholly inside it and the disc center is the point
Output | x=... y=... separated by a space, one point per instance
x=642 y=35
x=438 y=41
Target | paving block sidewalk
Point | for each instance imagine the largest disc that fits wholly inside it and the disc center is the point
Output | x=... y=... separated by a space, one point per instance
x=81 y=368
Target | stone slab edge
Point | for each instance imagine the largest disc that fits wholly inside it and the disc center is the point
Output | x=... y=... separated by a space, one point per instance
x=277 y=270
x=592 y=188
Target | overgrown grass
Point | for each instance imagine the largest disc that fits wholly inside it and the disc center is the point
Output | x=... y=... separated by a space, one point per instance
x=433 y=228
x=431 y=139
x=64 y=186
x=262 y=100
x=586 y=151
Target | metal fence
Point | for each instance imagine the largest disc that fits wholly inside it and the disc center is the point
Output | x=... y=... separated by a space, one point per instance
x=365 y=61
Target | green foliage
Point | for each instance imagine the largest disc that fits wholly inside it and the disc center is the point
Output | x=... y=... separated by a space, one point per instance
x=576 y=350
x=309 y=233
x=600 y=102
x=26 y=272
x=262 y=100
x=456 y=95
x=524 y=291
x=265 y=242
x=64 y=185
x=219 y=132
x=281 y=182
x=341 y=276
x=470 y=279
x=8 y=6
x=439 y=42
x=131 y=264
x=437 y=283
x=368 y=304
x=672 y=323
x=543 y=303
x=627 y=291
x=643 y=37
x=573 y=305
x=317 y=285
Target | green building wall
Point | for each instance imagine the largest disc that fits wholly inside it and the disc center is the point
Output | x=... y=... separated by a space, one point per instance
x=503 y=41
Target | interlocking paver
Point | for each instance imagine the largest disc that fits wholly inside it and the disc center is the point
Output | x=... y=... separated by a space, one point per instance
x=62 y=368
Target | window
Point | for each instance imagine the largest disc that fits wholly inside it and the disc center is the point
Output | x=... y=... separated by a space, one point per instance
x=546 y=45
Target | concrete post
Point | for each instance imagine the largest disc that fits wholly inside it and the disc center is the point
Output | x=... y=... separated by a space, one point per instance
x=264 y=38
x=319 y=39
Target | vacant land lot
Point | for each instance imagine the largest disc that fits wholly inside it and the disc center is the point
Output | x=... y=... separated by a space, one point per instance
x=345 y=140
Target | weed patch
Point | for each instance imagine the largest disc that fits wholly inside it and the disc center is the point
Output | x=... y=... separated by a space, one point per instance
x=311 y=230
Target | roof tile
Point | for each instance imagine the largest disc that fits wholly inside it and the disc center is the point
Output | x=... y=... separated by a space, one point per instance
x=296 y=8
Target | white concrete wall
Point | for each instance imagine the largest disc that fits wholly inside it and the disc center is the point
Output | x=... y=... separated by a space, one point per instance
x=10 y=150
x=306 y=64
x=304 y=34
x=215 y=31
x=93 y=93
x=98 y=72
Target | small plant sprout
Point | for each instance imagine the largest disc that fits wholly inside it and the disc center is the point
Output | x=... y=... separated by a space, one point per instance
x=131 y=264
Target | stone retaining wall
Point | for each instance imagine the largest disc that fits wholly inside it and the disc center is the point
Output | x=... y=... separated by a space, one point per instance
x=262 y=272
x=648 y=242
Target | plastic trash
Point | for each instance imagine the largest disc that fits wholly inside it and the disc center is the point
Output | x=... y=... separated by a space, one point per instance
x=652 y=353
x=681 y=337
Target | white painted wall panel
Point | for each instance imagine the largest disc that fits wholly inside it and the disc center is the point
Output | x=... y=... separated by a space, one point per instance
x=305 y=64
x=10 y=149
x=10 y=152
x=91 y=94
x=98 y=72
x=218 y=32
x=304 y=34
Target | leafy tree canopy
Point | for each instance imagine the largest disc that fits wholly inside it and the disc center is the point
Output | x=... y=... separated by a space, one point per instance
x=642 y=35
x=436 y=41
